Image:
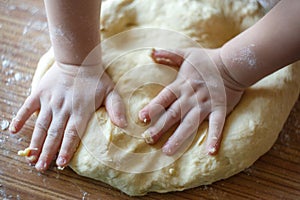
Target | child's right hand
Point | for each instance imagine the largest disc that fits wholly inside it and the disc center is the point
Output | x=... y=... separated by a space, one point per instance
x=66 y=98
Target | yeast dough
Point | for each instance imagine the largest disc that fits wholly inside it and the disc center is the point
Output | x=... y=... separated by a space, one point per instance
x=120 y=157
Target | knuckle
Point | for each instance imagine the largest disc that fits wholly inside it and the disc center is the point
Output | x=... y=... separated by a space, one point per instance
x=71 y=134
x=219 y=99
x=26 y=108
x=57 y=103
x=173 y=113
x=54 y=132
x=191 y=124
x=202 y=97
x=40 y=126
x=164 y=98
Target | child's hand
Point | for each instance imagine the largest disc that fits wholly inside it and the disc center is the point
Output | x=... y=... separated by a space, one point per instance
x=201 y=90
x=66 y=98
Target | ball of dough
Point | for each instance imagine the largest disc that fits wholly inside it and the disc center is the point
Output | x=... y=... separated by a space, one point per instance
x=120 y=157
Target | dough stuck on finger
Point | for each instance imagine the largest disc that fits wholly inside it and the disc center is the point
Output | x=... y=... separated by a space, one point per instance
x=121 y=157
x=60 y=168
x=147 y=137
x=26 y=152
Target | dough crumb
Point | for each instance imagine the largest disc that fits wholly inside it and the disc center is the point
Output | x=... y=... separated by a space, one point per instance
x=212 y=150
x=12 y=128
x=4 y=125
x=60 y=168
x=26 y=152
x=31 y=158
x=171 y=171
x=147 y=136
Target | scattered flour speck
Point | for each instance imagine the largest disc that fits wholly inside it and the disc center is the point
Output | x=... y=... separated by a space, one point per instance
x=246 y=57
x=4 y=124
x=84 y=195
x=5 y=63
x=18 y=76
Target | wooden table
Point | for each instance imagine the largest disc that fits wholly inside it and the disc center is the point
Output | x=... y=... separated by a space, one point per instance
x=23 y=39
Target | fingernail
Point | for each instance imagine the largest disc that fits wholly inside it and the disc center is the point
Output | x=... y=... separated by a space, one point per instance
x=12 y=127
x=142 y=116
x=212 y=150
x=214 y=138
x=153 y=52
x=31 y=159
x=123 y=122
x=61 y=161
x=167 y=150
x=41 y=165
x=148 y=137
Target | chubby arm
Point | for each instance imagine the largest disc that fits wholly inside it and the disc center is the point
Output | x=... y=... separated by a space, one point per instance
x=71 y=90
x=74 y=28
x=269 y=45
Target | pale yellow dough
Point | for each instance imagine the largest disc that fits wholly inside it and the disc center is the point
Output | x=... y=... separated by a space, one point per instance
x=121 y=158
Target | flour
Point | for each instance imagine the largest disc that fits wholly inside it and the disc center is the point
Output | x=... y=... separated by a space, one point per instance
x=246 y=57
x=5 y=63
x=4 y=124
x=35 y=25
x=268 y=4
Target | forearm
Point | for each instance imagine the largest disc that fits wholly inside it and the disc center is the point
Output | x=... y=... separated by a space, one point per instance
x=269 y=45
x=74 y=29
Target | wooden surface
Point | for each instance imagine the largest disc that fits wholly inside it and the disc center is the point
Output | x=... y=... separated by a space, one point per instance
x=23 y=39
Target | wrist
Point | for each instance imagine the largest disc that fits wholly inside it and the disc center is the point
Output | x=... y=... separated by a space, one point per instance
x=82 y=70
x=228 y=78
x=91 y=58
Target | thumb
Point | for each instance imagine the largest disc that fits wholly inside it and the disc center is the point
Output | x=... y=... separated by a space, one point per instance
x=116 y=109
x=168 y=57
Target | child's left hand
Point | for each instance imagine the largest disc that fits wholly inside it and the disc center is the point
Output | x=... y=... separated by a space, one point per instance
x=201 y=90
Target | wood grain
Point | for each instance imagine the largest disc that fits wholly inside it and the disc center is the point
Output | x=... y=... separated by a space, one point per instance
x=23 y=39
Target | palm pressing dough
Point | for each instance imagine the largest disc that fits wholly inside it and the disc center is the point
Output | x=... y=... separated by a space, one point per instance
x=120 y=157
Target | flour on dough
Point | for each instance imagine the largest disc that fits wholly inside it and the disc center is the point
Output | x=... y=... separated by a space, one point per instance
x=120 y=157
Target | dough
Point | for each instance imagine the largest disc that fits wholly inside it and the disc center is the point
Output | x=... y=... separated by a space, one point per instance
x=120 y=157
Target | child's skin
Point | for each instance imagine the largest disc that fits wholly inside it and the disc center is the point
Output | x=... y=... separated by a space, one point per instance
x=66 y=107
x=271 y=44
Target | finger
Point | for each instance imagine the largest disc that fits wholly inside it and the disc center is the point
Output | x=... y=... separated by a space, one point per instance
x=172 y=58
x=173 y=114
x=216 y=124
x=163 y=100
x=116 y=109
x=39 y=133
x=53 y=140
x=30 y=105
x=71 y=140
x=187 y=127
